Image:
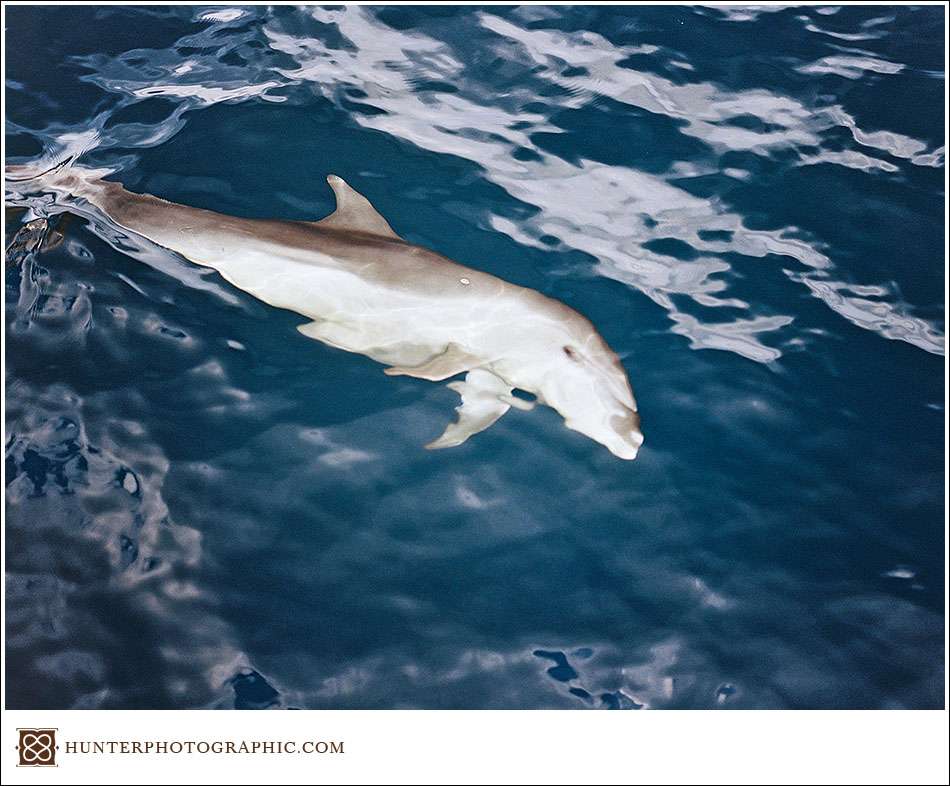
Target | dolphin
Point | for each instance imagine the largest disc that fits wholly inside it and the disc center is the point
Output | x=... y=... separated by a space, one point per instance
x=365 y=290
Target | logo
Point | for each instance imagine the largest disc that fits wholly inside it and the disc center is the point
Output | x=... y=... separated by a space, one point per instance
x=37 y=748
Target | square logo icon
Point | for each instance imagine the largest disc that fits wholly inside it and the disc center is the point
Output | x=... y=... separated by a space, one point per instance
x=37 y=748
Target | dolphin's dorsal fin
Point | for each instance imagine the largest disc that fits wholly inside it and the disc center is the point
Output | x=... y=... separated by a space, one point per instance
x=354 y=212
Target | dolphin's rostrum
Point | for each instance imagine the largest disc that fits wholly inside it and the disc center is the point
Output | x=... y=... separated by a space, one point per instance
x=366 y=290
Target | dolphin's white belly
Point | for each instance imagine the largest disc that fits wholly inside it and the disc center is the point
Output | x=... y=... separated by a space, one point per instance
x=359 y=312
x=375 y=319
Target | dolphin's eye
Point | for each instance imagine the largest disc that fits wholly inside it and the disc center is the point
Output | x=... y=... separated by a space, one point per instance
x=570 y=353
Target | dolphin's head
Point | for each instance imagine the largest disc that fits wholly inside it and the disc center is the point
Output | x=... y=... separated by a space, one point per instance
x=585 y=382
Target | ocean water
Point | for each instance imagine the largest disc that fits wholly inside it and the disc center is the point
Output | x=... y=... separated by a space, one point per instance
x=206 y=509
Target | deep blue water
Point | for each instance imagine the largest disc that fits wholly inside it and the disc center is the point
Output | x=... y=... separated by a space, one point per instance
x=207 y=509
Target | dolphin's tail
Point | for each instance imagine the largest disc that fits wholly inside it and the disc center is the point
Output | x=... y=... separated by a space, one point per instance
x=56 y=170
x=46 y=189
x=63 y=179
x=24 y=173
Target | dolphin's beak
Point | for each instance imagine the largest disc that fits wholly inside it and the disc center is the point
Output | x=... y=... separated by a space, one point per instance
x=627 y=448
x=630 y=438
x=624 y=439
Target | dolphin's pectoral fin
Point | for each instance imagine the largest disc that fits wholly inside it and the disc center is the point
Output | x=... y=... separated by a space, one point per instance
x=334 y=334
x=518 y=403
x=354 y=212
x=481 y=406
x=454 y=360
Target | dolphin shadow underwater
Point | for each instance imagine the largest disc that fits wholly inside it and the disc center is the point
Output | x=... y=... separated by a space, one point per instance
x=368 y=291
